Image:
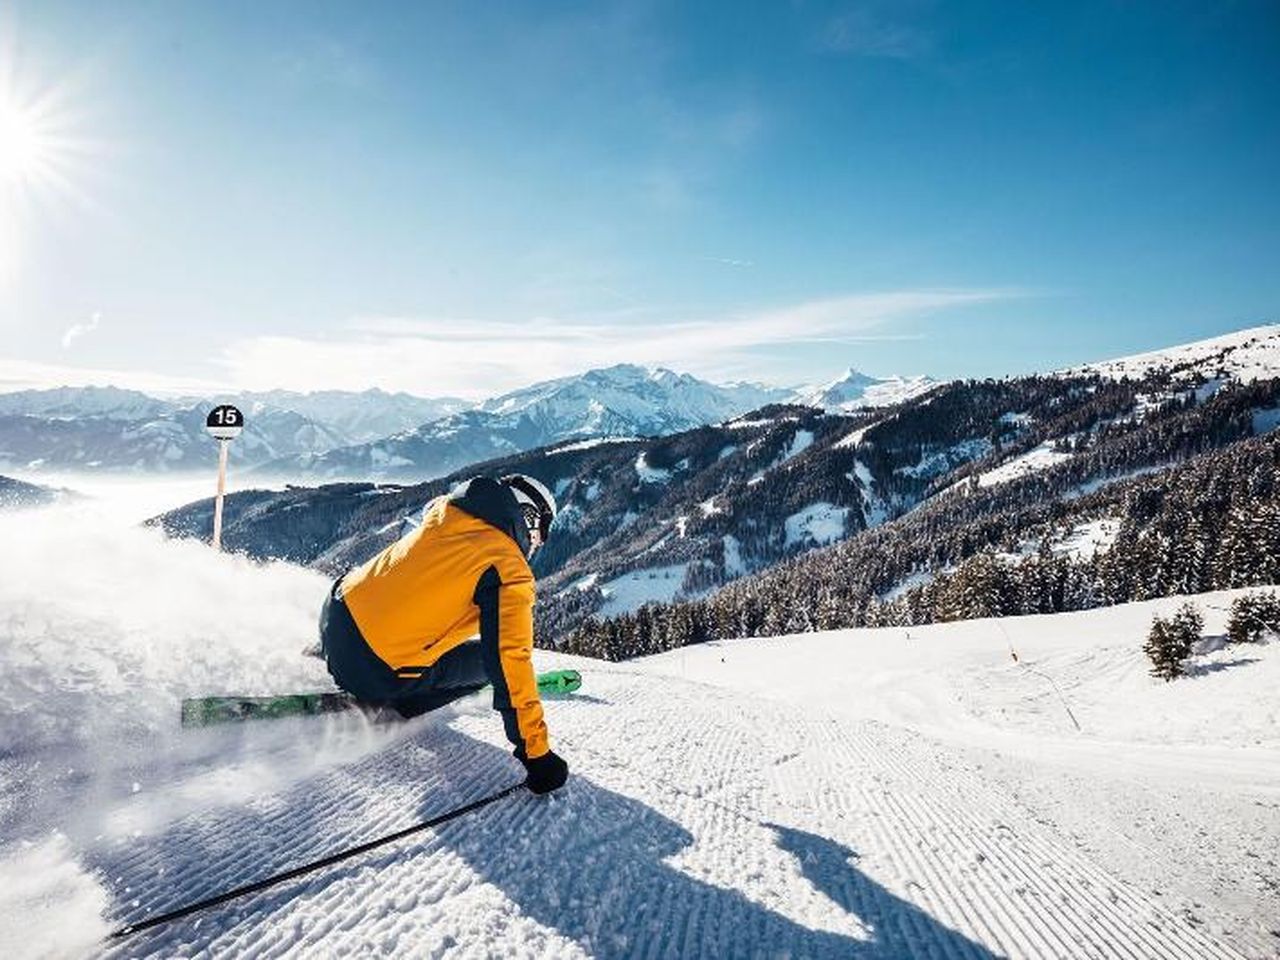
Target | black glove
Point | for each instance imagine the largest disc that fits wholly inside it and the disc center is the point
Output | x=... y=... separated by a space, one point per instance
x=546 y=773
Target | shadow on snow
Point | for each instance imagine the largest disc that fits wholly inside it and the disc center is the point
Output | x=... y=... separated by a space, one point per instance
x=586 y=862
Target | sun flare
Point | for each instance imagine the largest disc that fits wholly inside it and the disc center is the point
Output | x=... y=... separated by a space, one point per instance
x=24 y=147
x=42 y=159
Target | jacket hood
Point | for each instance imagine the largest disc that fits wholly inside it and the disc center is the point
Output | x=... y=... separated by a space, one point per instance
x=488 y=500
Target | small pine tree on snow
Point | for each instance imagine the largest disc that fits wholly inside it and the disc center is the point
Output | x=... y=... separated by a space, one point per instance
x=1166 y=648
x=1253 y=616
x=1187 y=625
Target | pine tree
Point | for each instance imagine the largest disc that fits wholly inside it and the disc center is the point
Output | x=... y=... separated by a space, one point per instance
x=1166 y=648
x=1254 y=616
x=1188 y=625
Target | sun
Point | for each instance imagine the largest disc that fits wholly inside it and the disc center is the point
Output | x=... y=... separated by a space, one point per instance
x=42 y=161
x=25 y=149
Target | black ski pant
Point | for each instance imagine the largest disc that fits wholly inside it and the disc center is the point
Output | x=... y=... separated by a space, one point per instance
x=359 y=671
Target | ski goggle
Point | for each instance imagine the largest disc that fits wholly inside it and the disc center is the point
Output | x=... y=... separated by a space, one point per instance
x=532 y=518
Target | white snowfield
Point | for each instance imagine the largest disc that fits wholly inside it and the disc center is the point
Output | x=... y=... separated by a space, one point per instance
x=854 y=794
x=1245 y=355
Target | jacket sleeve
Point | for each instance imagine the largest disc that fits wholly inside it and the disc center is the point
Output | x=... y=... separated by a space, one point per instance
x=506 y=638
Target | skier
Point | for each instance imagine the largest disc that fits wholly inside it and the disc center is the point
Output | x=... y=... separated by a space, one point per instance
x=400 y=630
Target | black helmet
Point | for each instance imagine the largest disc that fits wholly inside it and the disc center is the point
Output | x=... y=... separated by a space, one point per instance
x=538 y=503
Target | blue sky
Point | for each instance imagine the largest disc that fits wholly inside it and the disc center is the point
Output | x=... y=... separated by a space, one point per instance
x=462 y=198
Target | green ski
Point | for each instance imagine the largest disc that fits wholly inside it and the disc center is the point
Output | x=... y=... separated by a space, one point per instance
x=206 y=711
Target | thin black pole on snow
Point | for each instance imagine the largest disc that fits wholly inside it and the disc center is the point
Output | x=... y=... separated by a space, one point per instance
x=132 y=928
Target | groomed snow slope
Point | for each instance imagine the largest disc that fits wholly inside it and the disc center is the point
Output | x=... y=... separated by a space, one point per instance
x=1174 y=787
x=717 y=808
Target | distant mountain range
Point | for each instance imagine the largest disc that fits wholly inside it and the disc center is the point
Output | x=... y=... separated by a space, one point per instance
x=354 y=417
x=856 y=390
x=108 y=428
x=378 y=435
x=619 y=401
x=884 y=502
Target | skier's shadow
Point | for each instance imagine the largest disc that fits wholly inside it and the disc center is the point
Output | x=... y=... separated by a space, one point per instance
x=587 y=862
x=592 y=864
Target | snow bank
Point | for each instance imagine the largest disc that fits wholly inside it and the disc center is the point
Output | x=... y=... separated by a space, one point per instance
x=1172 y=786
x=1265 y=420
x=854 y=438
x=800 y=442
x=734 y=566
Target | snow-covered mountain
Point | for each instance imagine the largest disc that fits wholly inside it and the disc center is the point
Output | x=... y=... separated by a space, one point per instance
x=173 y=440
x=856 y=390
x=376 y=435
x=1244 y=356
x=64 y=403
x=354 y=417
x=106 y=428
x=620 y=401
x=629 y=399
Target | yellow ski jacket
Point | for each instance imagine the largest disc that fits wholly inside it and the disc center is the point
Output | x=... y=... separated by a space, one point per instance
x=463 y=571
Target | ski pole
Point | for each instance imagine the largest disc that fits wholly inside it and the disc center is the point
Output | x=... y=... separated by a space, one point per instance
x=132 y=928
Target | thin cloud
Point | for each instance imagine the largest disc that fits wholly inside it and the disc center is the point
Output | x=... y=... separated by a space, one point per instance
x=78 y=330
x=876 y=30
x=476 y=359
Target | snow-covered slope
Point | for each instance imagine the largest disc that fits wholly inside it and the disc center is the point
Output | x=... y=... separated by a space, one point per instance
x=821 y=796
x=855 y=390
x=1246 y=355
x=1172 y=786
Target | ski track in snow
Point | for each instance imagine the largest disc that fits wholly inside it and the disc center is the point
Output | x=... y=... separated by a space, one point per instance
x=697 y=823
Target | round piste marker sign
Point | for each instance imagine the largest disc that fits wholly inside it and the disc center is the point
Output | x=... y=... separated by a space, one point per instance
x=224 y=422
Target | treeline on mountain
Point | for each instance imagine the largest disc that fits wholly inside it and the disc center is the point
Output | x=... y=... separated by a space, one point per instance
x=1112 y=427
x=1211 y=523
x=735 y=481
